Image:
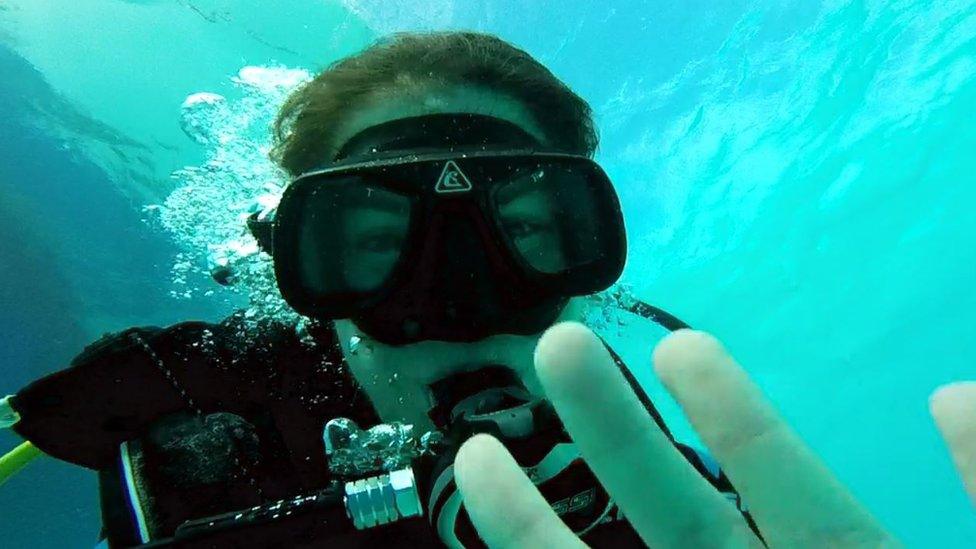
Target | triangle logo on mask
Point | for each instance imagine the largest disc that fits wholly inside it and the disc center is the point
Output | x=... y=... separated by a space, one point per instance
x=452 y=180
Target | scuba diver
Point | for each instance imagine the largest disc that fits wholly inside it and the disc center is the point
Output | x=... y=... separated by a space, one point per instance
x=444 y=224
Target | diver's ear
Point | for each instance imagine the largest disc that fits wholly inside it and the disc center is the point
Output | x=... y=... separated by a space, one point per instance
x=262 y=228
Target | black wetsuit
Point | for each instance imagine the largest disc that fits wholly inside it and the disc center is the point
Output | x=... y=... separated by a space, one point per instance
x=228 y=417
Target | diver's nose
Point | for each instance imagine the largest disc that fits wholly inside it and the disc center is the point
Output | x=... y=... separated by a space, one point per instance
x=466 y=277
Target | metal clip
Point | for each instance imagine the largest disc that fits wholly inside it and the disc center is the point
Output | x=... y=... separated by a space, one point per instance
x=8 y=416
x=383 y=499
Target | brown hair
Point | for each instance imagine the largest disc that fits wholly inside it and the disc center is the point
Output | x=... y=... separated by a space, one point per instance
x=311 y=113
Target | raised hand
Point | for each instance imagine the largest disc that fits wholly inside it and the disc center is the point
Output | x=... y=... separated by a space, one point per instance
x=794 y=498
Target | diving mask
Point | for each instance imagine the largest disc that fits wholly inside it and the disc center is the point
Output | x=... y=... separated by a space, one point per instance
x=421 y=243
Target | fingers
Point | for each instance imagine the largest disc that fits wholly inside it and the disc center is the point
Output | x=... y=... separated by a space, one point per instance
x=663 y=497
x=505 y=507
x=954 y=409
x=795 y=499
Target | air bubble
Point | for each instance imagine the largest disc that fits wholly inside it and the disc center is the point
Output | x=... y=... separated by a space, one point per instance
x=206 y=212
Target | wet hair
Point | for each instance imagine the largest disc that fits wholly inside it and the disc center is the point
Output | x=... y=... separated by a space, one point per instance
x=312 y=113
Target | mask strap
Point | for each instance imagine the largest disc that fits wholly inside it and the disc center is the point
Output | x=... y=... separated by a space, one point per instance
x=656 y=315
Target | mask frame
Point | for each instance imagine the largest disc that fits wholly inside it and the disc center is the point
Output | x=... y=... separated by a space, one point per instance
x=428 y=194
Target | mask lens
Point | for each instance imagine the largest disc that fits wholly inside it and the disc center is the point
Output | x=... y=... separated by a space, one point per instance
x=538 y=227
x=550 y=214
x=352 y=236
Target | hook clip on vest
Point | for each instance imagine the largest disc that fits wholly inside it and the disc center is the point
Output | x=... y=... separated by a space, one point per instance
x=8 y=416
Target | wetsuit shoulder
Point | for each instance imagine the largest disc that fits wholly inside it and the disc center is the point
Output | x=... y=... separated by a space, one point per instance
x=277 y=388
x=113 y=342
x=121 y=383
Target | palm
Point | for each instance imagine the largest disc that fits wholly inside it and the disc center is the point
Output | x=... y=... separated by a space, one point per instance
x=795 y=500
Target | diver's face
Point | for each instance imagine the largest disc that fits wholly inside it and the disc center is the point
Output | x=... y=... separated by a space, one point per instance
x=374 y=222
x=396 y=377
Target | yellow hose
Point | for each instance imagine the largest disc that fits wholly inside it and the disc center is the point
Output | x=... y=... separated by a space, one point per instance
x=15 y=460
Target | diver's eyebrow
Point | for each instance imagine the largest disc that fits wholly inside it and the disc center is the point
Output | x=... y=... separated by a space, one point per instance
x=523 y=194
x=529 y=205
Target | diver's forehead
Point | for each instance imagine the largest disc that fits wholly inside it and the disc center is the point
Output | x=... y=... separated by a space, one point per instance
x=405 y=103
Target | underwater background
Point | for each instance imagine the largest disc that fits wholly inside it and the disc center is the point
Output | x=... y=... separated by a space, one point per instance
x=798 y=178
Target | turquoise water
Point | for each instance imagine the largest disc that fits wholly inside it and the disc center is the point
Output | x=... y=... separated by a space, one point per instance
x=797 y=179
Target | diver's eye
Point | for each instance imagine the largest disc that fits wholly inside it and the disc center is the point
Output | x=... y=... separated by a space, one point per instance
x=523 y=229
x=379 y=242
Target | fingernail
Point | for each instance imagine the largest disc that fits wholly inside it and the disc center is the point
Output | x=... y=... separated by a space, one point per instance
x=685 y=349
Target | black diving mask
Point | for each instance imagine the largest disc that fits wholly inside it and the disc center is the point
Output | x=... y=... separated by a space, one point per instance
x=416 y=242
